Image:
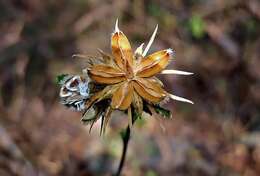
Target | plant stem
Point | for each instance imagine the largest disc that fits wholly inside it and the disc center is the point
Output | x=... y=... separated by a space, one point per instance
x=125 y=137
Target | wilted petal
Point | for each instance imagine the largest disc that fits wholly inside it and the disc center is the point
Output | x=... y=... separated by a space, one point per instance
x=121 y=49
x=174 y=97
x=154 y=63
x=122 y=97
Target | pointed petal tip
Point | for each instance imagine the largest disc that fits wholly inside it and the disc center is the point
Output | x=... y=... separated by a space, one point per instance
x=191 y=102
x=174 y=97
x=156 y=27
x=74 y=55
x=82 y=56
x=116 y=26
x=150 y=41
x=176 y=72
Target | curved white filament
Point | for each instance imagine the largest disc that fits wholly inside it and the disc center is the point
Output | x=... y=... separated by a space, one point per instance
x=150 y=41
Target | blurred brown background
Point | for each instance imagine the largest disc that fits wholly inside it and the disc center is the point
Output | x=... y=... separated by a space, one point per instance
x=218 y=40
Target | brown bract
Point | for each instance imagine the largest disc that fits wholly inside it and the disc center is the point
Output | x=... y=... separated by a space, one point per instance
x=129 y=77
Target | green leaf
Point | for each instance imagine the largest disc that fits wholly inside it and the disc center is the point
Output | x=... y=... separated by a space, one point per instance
x=60 y=79
x=163 y=112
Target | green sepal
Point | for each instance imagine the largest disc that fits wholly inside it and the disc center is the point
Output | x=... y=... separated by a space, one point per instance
x=135 y=115
x=162 y=111
x=146 y=109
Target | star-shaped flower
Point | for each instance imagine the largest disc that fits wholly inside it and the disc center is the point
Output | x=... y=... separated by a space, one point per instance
x=124 y=81
x=129 y=77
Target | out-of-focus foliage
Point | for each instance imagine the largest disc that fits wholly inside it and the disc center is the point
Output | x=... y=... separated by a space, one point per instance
x=217 y=40
x=196 y=26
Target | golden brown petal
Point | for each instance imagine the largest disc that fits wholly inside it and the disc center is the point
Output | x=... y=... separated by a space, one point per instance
x=103 y=94
x=121 y=49
x=105 y=71
x=106 y=74
x=107 y=117
x=107 y=80
x=153 y=85
x=122 y=97
x=154 y=63
x=149 y=93
x=137 y=103
x=96 y=97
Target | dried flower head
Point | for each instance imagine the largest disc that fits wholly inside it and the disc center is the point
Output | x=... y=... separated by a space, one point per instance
x=124 y=81
x=74 y=91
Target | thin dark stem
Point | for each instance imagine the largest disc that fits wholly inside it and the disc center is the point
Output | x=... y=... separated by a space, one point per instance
x=125 y=138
